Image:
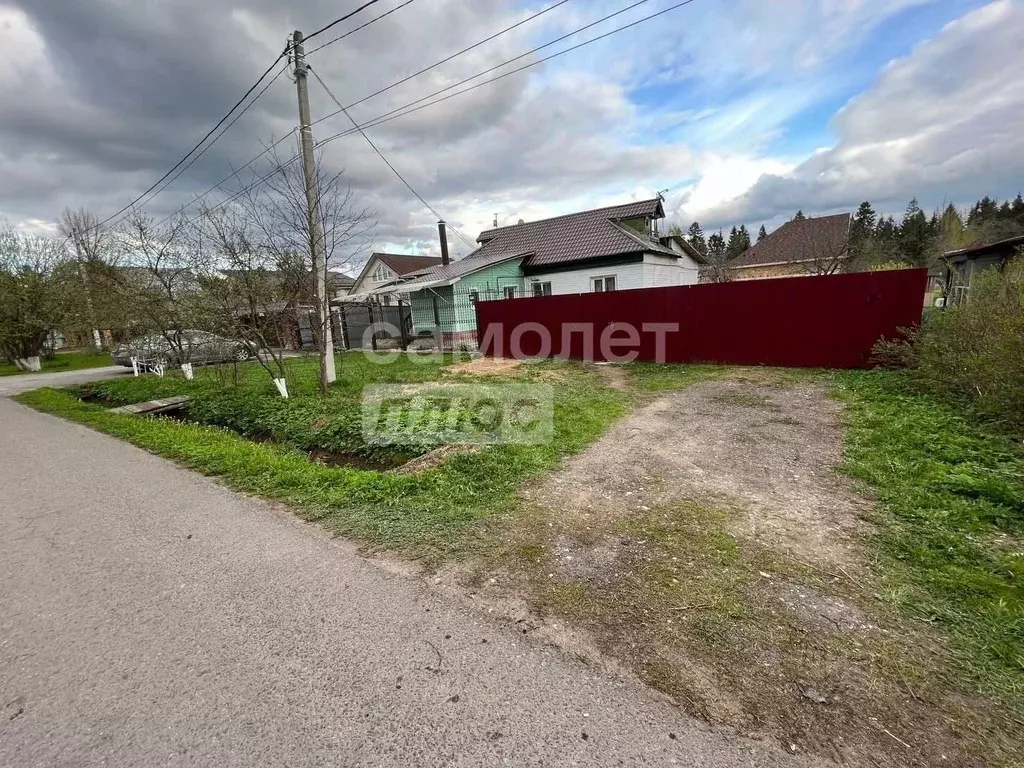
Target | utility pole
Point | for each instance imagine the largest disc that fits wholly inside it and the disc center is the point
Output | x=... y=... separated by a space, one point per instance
x=316 y=236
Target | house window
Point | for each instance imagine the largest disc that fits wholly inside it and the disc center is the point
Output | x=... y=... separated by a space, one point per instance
x=602 y=284
x=382 y=274
x=474 y=297
x=541 y=289
x=509 y=292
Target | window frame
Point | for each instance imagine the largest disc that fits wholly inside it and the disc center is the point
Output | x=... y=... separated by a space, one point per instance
x=541 y=288
x=603 y=280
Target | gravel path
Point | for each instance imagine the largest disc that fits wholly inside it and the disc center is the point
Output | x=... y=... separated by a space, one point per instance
x=150 y=617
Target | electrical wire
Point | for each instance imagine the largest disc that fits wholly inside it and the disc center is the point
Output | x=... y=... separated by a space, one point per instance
x=217 y=137
x=456 y=54
x=361 y=26
x=405 y=110
x=231 y=175
x=388 y=163
x=347 y=16
x=197 y=146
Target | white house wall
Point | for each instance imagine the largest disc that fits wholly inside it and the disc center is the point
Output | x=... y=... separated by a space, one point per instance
x=627 y=277
x=662 y=271
x=655 y=271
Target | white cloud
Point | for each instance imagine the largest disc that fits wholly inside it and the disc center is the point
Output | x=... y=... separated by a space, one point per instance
x=941 y=123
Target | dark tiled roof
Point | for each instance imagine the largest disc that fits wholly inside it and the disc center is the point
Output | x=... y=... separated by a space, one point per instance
x=340 y=280
x=475 y=261
x=403 y=263
x=795 y=241
x=576 y=236
x=975 y=251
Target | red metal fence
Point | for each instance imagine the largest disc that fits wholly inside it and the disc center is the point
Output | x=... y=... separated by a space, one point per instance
x=830 y=322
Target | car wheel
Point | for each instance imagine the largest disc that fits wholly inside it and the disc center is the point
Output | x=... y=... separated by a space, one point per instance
x=242 y=354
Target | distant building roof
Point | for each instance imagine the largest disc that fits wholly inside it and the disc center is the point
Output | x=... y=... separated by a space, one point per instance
x=404 y=263
x=577 y=236
x=977 y=251
x=799 y=241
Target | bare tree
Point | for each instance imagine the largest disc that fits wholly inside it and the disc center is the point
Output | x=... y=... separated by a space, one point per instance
x=160 y=278
x=94 y=250
x=32 y=296
x=830 y=256
x=245 y=297
x=278 y=211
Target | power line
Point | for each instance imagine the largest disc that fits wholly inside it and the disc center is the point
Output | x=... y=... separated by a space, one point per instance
x=612 y=15
x=361 y=26
x=347 y=16
x=198 y=145
x=405 y=110
x=382 y=90
x=232 y=175
x=240 y=101
x=387 y=162
x=455 y=55
x=218 y=136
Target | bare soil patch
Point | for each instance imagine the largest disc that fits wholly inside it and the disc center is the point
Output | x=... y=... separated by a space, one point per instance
x=485 y=366
x=770 y=451
x=708 y=545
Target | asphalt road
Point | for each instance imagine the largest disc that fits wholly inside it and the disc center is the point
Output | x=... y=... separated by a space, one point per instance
x=23 y=382
x=150 y=617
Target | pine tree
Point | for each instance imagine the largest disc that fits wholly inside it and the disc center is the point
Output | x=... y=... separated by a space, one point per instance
x=743 y=239
x=863 y=225
x=1018 y=207
x=983 y=211
x=735 y=245
x=915 y=238
x=696 y=237
x=762 y=234
x=716 y=245
x=799 y=216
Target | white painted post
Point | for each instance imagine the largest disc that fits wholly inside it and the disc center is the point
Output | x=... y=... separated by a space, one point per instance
x=282 y=387
x=135 y=366
x=186 y=368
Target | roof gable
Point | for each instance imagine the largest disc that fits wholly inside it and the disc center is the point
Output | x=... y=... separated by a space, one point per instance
x=399 y=263
x=577 y=236
x=799 y=241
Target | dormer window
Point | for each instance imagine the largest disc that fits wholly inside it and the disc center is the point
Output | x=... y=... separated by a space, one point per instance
x=382 y=274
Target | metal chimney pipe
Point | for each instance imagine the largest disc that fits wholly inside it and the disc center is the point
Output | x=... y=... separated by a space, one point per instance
x=442 y=235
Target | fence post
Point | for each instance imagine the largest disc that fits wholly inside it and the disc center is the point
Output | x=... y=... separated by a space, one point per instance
x=343 y=311
x=403 y=339
x=373 y=331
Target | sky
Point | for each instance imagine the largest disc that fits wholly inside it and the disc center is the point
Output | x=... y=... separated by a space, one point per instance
x=738 y=111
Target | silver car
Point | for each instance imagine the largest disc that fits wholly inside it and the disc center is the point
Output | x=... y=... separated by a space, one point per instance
x=196 y=347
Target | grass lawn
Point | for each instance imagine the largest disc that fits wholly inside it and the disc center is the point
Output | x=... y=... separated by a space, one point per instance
x=73 y=360
x=950 y=545
x=433 y=515
x=945 y=558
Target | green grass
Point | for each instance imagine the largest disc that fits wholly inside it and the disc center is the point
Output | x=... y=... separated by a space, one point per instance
x=63 y=361
x=950 y=521
x=434 y=515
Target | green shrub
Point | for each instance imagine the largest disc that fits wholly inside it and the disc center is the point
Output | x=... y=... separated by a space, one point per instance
x=973 y=353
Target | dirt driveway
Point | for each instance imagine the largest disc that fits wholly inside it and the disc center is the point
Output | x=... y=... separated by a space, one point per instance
x=771 y=453
x=709 y=545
